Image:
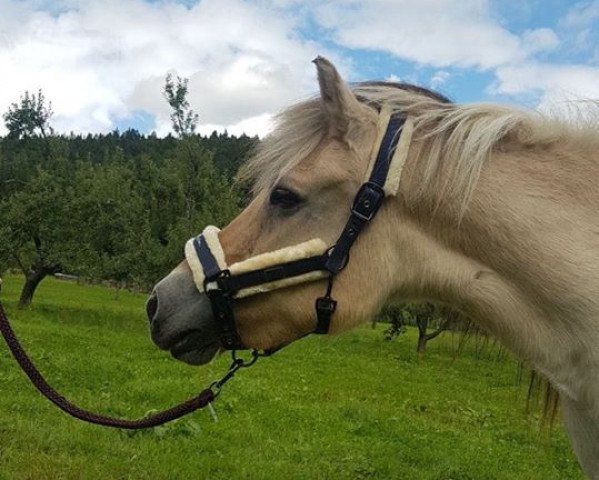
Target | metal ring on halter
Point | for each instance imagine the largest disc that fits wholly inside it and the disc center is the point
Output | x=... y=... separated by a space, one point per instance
x=236 y=364
x=345 y=259
x=245 y=363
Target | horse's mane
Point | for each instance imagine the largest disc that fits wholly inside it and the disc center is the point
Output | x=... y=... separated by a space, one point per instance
x=459 y=137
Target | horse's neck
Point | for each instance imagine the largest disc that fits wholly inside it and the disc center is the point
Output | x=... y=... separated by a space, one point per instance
x=524 y=263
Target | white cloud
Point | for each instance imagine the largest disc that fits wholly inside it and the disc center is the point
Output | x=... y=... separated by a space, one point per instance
x=393 y=78
x=433 y=32
x=259 y=125
x=98 y=61
x=539 y=40
x=439 y=78
x=577 y=26
x=558 y=85
x=449 y=34
x=572 y=80
x=581 y=15
x=467 y=34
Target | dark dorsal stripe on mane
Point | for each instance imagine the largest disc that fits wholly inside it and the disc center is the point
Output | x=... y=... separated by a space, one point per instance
x=408 y=87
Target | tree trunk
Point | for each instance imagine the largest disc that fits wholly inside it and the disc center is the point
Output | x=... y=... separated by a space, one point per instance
x=422 y=324
x=32 y=280
x=421 y=348
x=423 y=337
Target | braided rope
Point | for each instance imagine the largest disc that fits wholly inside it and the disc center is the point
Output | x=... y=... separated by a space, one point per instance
x=199 y=401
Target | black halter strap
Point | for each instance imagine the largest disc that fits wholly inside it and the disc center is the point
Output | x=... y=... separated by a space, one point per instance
x=366 y=204
x=221 y=286
x=369 y=197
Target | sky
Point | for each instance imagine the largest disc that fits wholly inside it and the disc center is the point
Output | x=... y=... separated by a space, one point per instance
x=102 y=64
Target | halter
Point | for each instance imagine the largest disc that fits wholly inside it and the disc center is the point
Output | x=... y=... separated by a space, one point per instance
x=304 y=262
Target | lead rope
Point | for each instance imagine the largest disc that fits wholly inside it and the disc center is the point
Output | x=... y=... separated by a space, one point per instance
x=203 y=399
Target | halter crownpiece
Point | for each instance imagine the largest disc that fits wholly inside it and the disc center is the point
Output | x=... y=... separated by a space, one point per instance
x=304 y=262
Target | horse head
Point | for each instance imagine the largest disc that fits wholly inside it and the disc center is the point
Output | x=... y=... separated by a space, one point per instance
x=305 y=175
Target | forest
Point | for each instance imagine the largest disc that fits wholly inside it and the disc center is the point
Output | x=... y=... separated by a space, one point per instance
x=115 y=207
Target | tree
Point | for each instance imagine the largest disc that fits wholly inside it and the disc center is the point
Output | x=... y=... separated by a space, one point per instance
x=206 y=190
x=116 y=206
x=30 y=117
x=423 y=316
x=29 y=136
x=112 y=224
x=393 y=316
x=183 y=118
x=230 y=151
x=36 y=233
x=428 y=313
x=184 y=122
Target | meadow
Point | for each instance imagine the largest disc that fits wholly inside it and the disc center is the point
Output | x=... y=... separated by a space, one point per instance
x=350 y=407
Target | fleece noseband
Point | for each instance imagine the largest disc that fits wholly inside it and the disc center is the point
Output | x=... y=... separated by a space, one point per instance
x=307 y=261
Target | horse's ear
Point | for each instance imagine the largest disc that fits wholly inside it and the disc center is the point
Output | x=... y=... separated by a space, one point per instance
x=338 y=101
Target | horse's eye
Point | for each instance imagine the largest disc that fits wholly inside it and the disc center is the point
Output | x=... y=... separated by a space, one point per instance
x=283 y=198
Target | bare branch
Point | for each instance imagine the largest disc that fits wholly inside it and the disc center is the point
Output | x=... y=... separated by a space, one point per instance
x=442 y=327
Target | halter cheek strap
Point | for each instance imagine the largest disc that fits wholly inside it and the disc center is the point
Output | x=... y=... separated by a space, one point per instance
x=306 y=261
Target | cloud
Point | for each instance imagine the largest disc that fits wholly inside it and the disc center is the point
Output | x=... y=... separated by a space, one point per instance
x=463 y=36
x=468 y=35
x=258 y=125
x=99 y=62
x=581 y=15
x=558 y=86
x=393 y=78
x=572 y=80
x=539 y=40
x=439 y=78
x=96 y=64
x=561 y=88
x=440 y=33
x=577 y=27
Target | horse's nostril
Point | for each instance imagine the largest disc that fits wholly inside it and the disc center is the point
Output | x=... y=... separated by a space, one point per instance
x=152 y=306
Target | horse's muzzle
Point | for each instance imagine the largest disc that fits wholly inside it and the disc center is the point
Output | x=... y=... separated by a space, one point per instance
x=181 y=319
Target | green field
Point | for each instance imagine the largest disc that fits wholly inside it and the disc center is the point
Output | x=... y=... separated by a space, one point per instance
x=350 y=407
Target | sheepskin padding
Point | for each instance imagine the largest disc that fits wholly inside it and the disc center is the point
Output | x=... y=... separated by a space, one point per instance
x=210 y=236
x=381 y=129
x=296 y=252
x=286 y=282
x=194 y=265
x=398 y=160
x=307 y=249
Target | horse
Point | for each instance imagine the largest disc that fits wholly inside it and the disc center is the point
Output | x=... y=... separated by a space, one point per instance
x=495 y=215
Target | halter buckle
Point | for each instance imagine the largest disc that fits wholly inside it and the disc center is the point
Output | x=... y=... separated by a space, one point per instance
x=217 y=282
x=325 y=307
x=368 y=200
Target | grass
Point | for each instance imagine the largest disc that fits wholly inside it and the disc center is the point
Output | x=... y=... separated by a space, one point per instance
x=351 y=407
